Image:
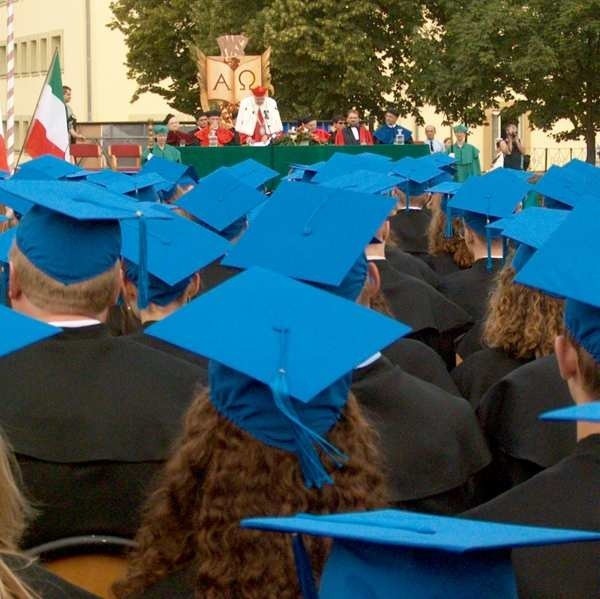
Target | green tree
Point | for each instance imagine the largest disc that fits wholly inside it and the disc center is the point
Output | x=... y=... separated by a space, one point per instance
x=538 y=57
x=329 y=56
x=326 y=55
x=159 y=35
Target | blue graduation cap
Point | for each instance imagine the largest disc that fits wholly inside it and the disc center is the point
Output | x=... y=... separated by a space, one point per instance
x=177 y=249
x=566 y=186
x=252 y=173
x=298 y=232
x=440 y=159
x=19 y=331
x=418 y=173
x=589 y=174
x=341 y=163
x=139 y=186
x=220 y=200
x=269 y=376
x=447 y=188
x=173 y=173
x=393 y=553
x=48 y=167
x=530 y=229
x=364 y=181
x=483 y=200
x=562 y=267
x=303 y=172
x=71 y=231
x=586 y=412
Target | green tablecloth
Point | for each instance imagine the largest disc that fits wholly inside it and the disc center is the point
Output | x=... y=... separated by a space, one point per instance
x=206 y=160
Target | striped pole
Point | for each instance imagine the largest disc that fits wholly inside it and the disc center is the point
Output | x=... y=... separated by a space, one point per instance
x=10 y=82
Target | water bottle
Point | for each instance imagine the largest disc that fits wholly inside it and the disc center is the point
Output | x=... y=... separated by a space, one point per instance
x=399 y=139
x=213 y=142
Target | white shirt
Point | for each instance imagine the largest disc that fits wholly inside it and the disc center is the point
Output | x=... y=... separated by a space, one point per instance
x=74 y=324
x=438 y=146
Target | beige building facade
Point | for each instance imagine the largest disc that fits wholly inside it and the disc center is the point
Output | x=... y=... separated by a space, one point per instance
x=93 y=57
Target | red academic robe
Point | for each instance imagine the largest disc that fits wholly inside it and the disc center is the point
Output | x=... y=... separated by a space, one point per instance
x=343 y=136
x=181 y=138
x=320 y=136
x=224 y=136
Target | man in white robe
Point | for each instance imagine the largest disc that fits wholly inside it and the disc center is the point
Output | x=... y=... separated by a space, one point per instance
x=258 y=119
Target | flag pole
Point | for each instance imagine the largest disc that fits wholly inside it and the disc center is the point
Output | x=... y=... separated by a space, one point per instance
x=10 y=83
x=50 y=69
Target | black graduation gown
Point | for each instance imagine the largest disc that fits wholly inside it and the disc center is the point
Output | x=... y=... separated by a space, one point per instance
x=471 y=341
x=179 y=584
x=433 y=318
x=410 y=230
x=563 y=496
x=90 y=418
x=481 y=370
x=521 y=443
x=470 y=288
x=421 y=361
x=441 y=264
x=410 y=265
x=431 y=442
x=178 y=352
x=41 y=581
x=214 y=274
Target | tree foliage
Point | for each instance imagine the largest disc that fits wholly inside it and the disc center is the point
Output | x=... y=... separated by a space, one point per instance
x=538 y=57
x=326 y=55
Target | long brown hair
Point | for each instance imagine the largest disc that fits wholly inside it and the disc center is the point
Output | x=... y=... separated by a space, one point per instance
x=521 y=321
x=14 y=515
x=218 y=475
x=439 y=244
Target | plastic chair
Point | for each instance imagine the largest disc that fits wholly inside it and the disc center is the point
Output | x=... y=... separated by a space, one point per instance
x=80 y=152
x=92 y=562
x=130 y=152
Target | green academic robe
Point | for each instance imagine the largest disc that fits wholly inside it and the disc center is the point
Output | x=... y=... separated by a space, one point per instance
x=167 y=152
x=467 y=161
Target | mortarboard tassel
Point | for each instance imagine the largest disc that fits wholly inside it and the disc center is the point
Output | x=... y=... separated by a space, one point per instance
x=143 y=293
x=303 y=569
x=488 y=238
x=4 y=285
x=313 y=470
x=504 y=250
x=407 y=207
x=449 y=229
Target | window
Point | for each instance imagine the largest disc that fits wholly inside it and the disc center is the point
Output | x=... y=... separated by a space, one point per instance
x=23 y=62
x=33 y=57
x=44 y=60
x=56 y=44
x=2 y=60
x=17 y=66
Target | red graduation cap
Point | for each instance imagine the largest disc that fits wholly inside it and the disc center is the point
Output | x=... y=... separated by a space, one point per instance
x=259 y=91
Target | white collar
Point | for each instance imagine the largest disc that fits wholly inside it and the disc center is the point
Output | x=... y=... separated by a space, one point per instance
x=369 y=361
x=74 y=324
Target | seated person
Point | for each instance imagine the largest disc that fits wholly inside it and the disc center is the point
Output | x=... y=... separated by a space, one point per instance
x=221 y=136
x=446 y=255
x=520 y=326
x=177 y=137
x=419 y=423
x=248 y=447
x=390 y=129
x=354 y=133
x=310 y=126
x=90 y=416
x=20 y=576
x=409 y=226
x=161 y=149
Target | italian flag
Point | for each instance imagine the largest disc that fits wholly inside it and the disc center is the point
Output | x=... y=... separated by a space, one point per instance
x=48 y=133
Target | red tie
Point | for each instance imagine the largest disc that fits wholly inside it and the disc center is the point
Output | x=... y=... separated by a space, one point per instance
x=259 y=129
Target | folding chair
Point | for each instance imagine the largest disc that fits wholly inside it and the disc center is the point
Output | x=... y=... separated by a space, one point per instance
x=81 y=152
x=130 y=152
x=92 y=562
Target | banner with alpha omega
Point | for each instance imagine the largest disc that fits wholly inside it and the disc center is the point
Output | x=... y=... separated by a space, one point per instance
x=228 y=78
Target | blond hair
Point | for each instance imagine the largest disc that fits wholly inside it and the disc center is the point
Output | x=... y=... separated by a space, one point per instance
x=14 y=514
x=439 y=244
x=88 y=297
x=522 y=322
